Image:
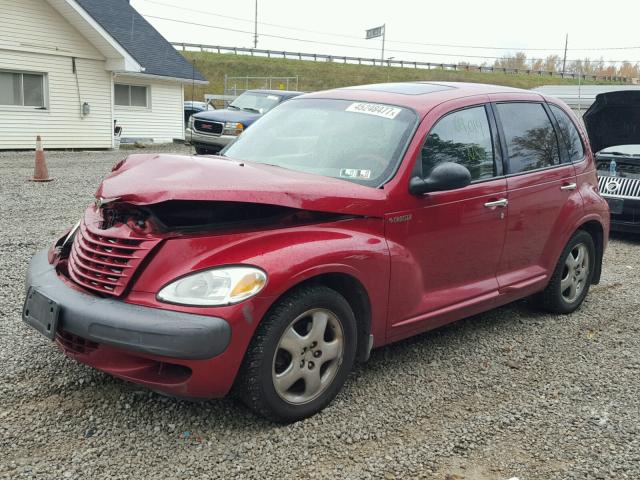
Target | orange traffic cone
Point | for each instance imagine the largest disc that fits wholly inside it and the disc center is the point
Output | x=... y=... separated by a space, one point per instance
x=40 y=171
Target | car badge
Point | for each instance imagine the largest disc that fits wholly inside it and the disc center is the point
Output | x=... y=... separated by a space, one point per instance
x=612 y=186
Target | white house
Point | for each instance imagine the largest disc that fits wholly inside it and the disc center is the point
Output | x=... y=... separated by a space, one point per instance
x=70 y=68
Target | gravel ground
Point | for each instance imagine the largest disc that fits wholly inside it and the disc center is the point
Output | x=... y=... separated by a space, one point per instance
x=510 y=393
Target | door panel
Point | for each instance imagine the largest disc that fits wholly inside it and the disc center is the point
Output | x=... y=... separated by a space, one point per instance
x=542 y=193
x=446 y=247
x=445 y=254
x=537 y=207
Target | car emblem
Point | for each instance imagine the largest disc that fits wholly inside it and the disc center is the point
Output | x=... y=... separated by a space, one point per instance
x=612 y=186
x=207 y=126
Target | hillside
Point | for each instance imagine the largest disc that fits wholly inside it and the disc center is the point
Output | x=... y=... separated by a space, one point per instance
x=323 y=75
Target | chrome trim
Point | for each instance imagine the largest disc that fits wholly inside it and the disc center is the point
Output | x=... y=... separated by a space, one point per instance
x=619 y=187
x=503 y=202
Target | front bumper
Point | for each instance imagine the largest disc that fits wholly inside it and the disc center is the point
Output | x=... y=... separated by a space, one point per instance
x=625 y=214
x=135 y=328
x=196 y=138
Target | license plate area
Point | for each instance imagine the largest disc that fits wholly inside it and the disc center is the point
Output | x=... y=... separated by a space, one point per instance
x=616 y=205
x=41 y=313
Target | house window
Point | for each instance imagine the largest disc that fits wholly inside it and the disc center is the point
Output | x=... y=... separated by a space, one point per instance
x=131 y=95
x=22 y=89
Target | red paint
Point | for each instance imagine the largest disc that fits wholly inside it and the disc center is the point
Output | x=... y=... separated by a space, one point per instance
x=423 y=260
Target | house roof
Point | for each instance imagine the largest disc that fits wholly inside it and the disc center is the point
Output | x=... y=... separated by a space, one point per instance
x=140 y=39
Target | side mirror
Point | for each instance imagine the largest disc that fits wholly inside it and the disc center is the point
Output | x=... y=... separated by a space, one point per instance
x=444 y=176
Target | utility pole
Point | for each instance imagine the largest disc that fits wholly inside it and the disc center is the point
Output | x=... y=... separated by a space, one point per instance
x=564 y=60
x=255 y=28
x=384 y=33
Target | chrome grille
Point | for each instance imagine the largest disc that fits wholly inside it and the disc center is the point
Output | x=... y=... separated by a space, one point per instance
x=105 y=260
x=619 y=187
x=204 y=126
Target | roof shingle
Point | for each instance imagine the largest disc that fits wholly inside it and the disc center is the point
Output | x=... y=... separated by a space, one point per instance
x=143 y=42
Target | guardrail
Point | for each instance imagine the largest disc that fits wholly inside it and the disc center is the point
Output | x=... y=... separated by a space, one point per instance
x=318 y=57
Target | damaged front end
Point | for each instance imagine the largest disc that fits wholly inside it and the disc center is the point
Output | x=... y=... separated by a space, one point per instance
x=105 y=250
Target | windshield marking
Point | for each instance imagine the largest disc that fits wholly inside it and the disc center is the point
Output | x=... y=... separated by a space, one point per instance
x=376 y=109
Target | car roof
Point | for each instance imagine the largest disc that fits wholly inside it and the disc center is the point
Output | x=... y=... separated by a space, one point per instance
x=420 y=96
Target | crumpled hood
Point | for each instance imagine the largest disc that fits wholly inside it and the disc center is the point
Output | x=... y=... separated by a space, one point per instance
x=147 y=179
x=614 y=119
x=226 y=115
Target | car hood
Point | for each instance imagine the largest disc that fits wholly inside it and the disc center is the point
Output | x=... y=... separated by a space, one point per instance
x=147 y=179
x=226 y=115
x=614 y=119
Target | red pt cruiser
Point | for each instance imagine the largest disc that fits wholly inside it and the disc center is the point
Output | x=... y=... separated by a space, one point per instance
x=341 y=221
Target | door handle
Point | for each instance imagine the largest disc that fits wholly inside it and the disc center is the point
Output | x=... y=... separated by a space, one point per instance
x=503 y=202
x=569 y=186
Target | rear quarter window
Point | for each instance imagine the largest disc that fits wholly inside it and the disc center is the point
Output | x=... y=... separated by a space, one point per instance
x=569 y=133
x=530 y=137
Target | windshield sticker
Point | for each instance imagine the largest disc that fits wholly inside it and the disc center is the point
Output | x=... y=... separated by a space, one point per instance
x=355 y=173
x=273 y=97
x=376 y=109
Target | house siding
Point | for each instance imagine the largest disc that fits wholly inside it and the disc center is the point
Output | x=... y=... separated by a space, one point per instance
x=162 y=121
x=35 y=38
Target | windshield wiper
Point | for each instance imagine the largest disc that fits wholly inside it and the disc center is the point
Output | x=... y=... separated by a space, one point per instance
x=234 y=107
x=616 y=153
x=249 y=109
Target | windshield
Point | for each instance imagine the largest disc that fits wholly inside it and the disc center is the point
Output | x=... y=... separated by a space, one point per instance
x=255 y=102
x=355 y=141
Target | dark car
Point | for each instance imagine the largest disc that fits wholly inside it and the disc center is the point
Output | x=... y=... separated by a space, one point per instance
x=613 y=123
x=211 y=131
x=191 y=107
x=341 y=221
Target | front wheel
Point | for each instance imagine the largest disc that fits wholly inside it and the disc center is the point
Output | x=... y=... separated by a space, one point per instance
x=572 y=276
x=300 y=355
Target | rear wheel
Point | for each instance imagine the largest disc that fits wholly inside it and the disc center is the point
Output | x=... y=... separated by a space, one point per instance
x=300 y=356
x=572 y=276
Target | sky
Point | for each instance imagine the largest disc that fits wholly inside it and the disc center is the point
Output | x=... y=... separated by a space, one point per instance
x=425 y=27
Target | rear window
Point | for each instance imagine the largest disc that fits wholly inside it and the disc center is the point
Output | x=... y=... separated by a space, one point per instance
x=569 y=134
x=530 y=136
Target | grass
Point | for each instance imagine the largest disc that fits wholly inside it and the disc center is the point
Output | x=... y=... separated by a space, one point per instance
x=324 y=75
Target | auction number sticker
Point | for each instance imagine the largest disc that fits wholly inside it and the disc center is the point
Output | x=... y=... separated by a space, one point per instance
x=384 y=111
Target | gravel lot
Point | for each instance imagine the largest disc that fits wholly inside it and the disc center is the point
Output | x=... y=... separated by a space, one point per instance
x=510 y=393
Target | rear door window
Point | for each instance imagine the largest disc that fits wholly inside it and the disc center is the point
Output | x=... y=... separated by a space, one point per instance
x=530 y=137
x=462 y=137
x=569 y=134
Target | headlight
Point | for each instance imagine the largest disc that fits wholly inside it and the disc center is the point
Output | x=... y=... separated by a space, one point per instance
x=218 y=286
x=232 y=128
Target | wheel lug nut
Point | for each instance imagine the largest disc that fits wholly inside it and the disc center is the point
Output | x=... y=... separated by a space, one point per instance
x=311 y=365
x=301 y=363
x=317 y=353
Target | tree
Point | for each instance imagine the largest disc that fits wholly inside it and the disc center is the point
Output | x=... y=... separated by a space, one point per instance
x=519 y=61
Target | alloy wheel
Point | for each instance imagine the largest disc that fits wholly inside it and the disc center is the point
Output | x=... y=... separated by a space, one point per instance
x=575 y=273
x=308 y=356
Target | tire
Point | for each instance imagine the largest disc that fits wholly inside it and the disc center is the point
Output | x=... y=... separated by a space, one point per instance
x=294 y=367
x=201 y=150
x=572 y=277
